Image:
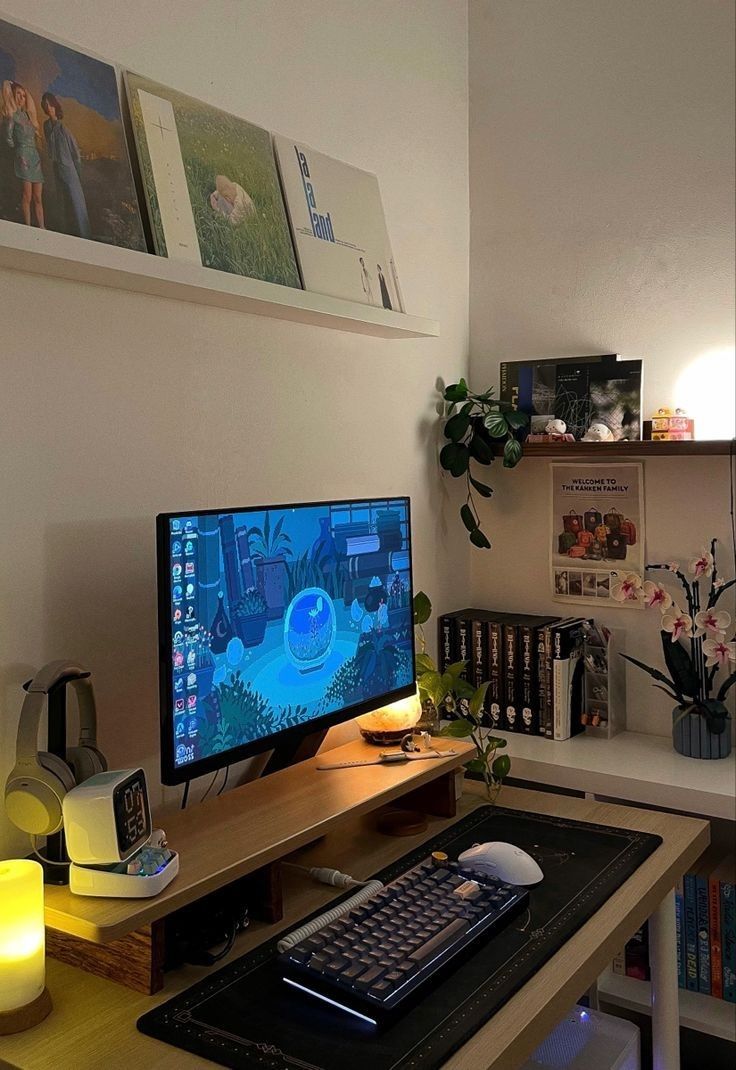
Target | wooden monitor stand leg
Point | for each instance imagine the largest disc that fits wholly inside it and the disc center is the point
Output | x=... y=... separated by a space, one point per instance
x=438 y=797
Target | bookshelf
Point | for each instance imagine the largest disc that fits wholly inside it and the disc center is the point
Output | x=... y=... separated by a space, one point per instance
x=632 y=766
x=701 y=1013
x=612 y=451
x=61 y=256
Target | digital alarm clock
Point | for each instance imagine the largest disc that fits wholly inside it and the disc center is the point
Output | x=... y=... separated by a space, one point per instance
x=107 y=818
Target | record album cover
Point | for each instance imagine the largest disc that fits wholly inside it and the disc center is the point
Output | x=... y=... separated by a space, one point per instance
x=64 y=163
x=211 y=185
x=338 y=226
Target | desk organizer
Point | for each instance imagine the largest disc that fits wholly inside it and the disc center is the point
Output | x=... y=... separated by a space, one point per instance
x=244 y=1017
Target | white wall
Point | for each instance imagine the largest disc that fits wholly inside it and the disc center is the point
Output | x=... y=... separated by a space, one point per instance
x=116 y=406
x=601 y=146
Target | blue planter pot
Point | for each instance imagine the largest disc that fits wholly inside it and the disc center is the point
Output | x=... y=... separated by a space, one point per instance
x=250 y=630
x=692 y=737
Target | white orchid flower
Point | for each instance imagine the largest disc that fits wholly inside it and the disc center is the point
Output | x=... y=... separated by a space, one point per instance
x=718 y=652
x=654 y=594
x=626 y=590
x=678 y=623
x=701 y=566
x=712 y=622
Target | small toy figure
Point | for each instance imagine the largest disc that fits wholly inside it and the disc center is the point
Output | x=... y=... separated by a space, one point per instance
x=598 y=433
x=556 y=427
x=554 y=431
x=669 y=426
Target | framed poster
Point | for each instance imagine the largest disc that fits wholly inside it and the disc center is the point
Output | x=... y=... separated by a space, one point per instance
x=211 y=185
x=64 y=162
x=596 y=532
x=339 y=227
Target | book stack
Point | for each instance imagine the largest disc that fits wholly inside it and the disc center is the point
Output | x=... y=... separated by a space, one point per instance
x=705 y=917
x=534 y=666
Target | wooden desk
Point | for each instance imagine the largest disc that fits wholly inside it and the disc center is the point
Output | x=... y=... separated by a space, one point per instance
x=93 y=1021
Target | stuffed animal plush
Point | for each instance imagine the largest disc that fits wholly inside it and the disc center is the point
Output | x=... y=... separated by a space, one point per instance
x=598 y=433
x=555 y=427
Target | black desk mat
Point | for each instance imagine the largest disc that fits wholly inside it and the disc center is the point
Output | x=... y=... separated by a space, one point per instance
x=244 y=1017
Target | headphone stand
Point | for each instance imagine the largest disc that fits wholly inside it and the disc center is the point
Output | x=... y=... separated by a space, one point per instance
x=56 y=861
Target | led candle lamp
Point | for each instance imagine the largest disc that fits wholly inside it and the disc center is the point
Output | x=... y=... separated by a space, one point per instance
x=24 y=999
x=389 y=723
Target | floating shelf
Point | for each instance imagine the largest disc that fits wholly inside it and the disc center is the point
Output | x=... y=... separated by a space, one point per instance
x=702 y=1013
x=614 y=450
x=44 y=252
x=633 y=766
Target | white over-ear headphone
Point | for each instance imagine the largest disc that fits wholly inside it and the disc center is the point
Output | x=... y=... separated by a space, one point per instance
x=36 y=787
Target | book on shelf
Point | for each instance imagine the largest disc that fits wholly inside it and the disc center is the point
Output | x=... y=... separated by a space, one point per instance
x=602 y=388
x=567 y=677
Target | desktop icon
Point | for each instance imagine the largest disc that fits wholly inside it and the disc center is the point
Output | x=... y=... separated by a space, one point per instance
x=189 y=568
x=179 y=705
x=176 y=592
x=179 y=685
x=192 y=727
x=179 y=729
x=178 y=659
x=191 y=613
x=176 y=525
x=192 y=679
x=177 y=616
x=178 y=637
x=189 y=547
x=190 y=590
x=176 y=571
x=191 y=659
x=176 y=548
x=188 y=527
x=191 y=701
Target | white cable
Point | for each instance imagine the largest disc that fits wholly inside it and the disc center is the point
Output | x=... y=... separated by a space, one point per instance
x=338 y=880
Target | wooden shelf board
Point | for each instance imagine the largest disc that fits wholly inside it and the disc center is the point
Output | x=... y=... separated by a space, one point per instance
x=234 y=834
x=560 y=451
x=634 y=766
x=701 y=1013
x=44 y=252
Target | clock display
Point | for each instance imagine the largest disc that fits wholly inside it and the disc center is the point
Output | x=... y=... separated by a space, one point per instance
x=132 y=820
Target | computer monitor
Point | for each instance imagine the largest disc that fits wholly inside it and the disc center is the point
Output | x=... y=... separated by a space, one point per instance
x=276 y=622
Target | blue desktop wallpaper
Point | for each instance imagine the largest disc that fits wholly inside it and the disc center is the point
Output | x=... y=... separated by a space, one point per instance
x=280 y=616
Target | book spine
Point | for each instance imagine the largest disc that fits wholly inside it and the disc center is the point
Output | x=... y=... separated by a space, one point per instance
x=446 y=642
x=618 y=966
x=480 y=654
x=529 y=697
x=510 y=719
x=549 y=683
x=494 y=695
x=463 y=649
x=728 y=939
x=691 y=934
x=716 y=958
x=701 y=911
x=678 y=932
x=637 y=954
x=541 y=680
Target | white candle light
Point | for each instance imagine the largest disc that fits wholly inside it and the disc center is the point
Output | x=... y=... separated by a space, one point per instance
x=22 y=945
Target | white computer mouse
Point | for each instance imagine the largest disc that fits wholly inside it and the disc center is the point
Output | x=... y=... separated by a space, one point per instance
x=502 y=860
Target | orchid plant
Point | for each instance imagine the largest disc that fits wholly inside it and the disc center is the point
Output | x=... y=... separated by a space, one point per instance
x=695 y=639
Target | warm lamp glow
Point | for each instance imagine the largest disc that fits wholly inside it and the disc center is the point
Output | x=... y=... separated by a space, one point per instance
x=22 y=942
x=706 y=389
x=399 y=716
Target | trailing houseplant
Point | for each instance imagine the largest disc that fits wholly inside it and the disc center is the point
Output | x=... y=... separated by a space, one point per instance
x=473 y=425
x=696 y=649
x=449 y=694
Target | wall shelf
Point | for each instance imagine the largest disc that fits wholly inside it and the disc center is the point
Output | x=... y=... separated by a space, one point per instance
x=611 y=451
x=633 y=766
x=701 y=1013
x=44 y=252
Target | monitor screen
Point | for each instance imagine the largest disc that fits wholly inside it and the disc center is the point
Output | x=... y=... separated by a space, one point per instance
x=279 y=620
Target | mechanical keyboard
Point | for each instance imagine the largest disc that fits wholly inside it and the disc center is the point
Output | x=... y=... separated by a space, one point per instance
x=378 y=955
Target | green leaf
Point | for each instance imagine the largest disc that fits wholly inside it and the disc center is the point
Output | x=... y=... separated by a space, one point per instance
x=479 y=539
x=497 y=742
x=478 y=698
x=457 y=426
x=483 y=490
x=680 y=667
x=459 y=729
x=501 y=766
x=457 y=668
x=726 y=686
x=467 y=408
x=477 y=765
x=480 y=450
x=431 y=684
x=511 y=453
x=422 y=608
x=468 y=518
x=454 y=458
x=496 y=424
x=517 y=419
x=456 y=391
x=424 y=663
x=463 y=689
